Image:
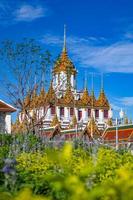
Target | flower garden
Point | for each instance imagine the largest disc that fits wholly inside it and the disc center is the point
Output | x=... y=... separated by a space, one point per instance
x=36 y=170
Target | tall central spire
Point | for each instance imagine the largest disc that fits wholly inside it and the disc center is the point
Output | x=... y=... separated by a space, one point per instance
x=102 y=82
x=64 y=45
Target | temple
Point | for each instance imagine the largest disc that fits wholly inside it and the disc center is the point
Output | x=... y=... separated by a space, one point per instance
x=67 y=102
x=65 y=105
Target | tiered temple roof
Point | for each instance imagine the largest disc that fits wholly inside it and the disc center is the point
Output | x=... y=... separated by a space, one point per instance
x=102 y=100
x=64 y=63
x=92 y=130
x=51 y=97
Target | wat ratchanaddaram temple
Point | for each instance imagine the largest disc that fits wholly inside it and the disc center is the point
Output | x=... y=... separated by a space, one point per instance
x=67 y=106
x=69 y=103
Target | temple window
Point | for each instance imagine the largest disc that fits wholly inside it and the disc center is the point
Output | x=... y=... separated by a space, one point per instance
x=89 y=112
x=79 y=115
x=62 y=111
x=96 y=113
x=53 y=110
x=71 y=111
x=105 y=113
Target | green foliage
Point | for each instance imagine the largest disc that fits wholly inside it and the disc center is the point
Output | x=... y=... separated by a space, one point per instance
x=73 y=173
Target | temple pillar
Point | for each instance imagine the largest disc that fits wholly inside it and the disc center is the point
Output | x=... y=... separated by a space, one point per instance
x=58 y=112
x=85 y=115
x=67 y=114
x=48 y=115
x=76 y=113
x=93 y=113
x=101 y=115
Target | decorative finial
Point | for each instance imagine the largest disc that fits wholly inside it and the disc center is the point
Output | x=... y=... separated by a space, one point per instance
x=92 y=82
x=102 y=82
x=85 y=86
x=64 y=45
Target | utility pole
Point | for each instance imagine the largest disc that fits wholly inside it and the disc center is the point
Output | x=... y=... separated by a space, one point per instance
x=117 y=140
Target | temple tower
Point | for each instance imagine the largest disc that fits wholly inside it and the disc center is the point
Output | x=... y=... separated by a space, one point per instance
x=64 y=72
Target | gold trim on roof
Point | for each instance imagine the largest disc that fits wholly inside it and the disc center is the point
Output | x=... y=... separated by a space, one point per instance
x=55 y=121
x=102 y=100
x=93 y=99
x=68 y=98
x=91 y=129
x=85 y=99
x=64 y=64
x=34 y=101
x=51 y=96
x=41 y=97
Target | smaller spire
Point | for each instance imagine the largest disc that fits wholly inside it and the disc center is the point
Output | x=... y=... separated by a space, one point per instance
x=85 y=83
x=55 y=121
x=92 y=79
x=64 y=45
x=102 y=82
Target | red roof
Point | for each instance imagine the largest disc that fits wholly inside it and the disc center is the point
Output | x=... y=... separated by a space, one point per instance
x=124 y=133
x=4 y=107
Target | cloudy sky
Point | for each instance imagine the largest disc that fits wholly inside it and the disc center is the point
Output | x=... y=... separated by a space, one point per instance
x=99 y=39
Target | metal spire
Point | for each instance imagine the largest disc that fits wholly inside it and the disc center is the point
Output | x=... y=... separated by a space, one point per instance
x=85 y=83
x=102 y=82
x=64 y=45
x=92 y=82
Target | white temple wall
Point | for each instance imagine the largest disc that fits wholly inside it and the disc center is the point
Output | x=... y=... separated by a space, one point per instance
x=8 y=122
x=60 y=81
x=93 y=113
x=48 y=115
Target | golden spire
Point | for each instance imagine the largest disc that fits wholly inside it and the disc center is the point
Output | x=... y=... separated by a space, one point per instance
x=51 y=96
x=41 y=97
x=64 y=45
x=63 y=63
x=68 y=97
x=102 y=100
x=34 y=101
x=85 y=99
x=55 y=121
x=93 y=99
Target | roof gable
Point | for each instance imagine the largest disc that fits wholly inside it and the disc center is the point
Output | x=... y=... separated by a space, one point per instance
x=4 y=107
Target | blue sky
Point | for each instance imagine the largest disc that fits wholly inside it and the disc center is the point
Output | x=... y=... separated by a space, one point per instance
x=99 y=39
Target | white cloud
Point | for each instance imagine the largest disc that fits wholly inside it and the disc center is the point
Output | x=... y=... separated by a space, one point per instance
x=115 y=107
x=51 y=40
x=96 y=53
x=127 y=101
x=29 y=13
